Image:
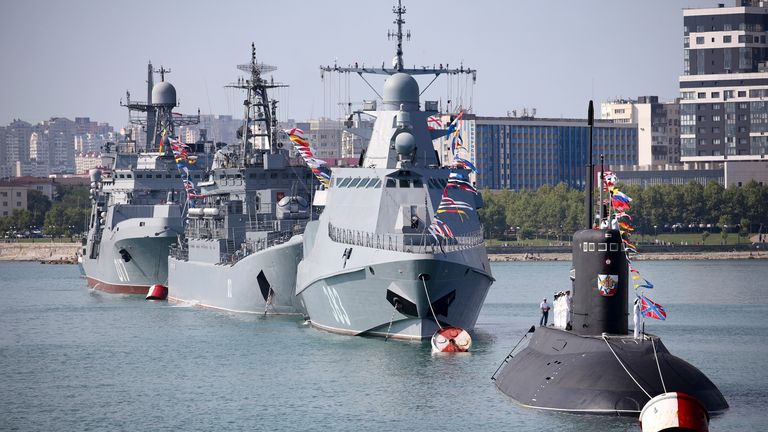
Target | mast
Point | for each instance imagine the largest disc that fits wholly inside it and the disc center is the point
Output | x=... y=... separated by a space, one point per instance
x=156 y=115
x=150 y=112
x=398 y=63
x=590 y=175
x=399 y=12
x=258 y=106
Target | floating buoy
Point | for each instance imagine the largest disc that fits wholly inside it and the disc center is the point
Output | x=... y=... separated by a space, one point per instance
x=157 y=292
x=674 y=411
x=451 y=339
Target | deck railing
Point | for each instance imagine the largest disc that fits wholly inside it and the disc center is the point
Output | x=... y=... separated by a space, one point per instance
x=410 y=243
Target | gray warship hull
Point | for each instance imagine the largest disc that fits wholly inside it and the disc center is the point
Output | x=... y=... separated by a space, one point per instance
x=391 y=293
x=131 y=259
x=262 y=282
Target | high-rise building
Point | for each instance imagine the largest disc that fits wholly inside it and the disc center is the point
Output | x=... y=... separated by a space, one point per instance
x=526 y=153
x=658 y=127
x=16 y=143
x=724 y=86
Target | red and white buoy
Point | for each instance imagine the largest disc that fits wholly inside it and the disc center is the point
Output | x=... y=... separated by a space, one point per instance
x=157 y=292
x=451 y=339
x=674 y=411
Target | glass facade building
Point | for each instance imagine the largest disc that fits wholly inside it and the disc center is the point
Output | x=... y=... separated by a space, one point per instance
x=527 y=153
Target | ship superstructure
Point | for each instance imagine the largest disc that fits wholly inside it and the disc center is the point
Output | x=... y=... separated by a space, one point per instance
x=138 y=199
x=376 y=262
x=242 y=241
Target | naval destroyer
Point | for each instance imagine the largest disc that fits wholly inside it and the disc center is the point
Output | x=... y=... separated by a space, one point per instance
x=377 y=261
x=138 y=199
x=242 y=241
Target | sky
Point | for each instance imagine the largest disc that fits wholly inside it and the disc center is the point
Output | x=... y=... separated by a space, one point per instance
x=78 y=58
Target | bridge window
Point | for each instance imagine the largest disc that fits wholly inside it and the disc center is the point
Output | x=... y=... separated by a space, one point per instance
x=363 y=182
x=138 y=176
x=345 y=182
x=354 y=182
x=376 y=183
x=405 y=183
x=417 y=183
x=391 y=183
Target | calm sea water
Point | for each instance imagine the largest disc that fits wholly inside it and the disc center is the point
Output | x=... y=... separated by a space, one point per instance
x=72 y=359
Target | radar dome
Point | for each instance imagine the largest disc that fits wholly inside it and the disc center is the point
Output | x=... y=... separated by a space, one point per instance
x=405 y=143
x=403 y=89
x=164 y=93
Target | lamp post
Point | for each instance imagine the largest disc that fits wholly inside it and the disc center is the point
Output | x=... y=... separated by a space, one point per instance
x=656 y=234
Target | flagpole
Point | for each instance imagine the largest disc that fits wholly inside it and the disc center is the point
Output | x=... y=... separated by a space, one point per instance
x=590 y=174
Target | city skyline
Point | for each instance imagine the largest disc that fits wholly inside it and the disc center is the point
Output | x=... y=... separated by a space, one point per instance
x=79 y=58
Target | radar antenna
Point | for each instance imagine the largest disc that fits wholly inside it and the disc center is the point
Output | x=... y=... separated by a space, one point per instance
x=258 y=107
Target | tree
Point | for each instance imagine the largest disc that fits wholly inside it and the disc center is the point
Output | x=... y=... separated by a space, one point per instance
x=744 y=228
x=704 y=237
x=492 y=215
x=38 y=205
x=723 y=222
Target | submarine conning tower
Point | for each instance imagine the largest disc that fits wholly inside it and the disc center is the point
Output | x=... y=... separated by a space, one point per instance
x=600 y=287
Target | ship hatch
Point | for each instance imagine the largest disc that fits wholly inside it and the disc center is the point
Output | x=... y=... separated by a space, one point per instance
x=125 y=255
x=264 y=286
x=404 y=306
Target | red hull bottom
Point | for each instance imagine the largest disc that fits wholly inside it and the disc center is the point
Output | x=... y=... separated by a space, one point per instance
x=117 y=289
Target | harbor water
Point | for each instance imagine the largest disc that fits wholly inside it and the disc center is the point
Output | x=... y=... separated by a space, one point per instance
x=75 y=359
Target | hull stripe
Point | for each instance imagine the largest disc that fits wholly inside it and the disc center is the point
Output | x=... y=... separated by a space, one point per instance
x=117 y=288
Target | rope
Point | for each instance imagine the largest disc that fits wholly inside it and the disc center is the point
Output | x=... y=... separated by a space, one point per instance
x=390 y=324
x=656 y=356
x=625 y=368
x=493 y=377
x=423 y=281
x=268 y=303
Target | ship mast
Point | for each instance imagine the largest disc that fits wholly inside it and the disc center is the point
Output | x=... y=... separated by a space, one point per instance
x=155 y=117
x=258 y=107
x=398 y=63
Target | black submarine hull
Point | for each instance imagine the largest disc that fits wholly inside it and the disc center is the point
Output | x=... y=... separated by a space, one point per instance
x=562 y=371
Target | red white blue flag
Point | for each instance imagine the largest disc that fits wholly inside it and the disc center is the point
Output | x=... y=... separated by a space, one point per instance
x=650 y=309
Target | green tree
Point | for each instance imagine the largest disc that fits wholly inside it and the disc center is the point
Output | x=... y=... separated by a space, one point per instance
x=744 y=228
x=704 y=236
x=492 y=215
x=723 y=223
x=55 y=221
x=38 y=205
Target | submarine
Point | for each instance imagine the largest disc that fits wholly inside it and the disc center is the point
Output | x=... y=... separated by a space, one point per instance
x=594 y=365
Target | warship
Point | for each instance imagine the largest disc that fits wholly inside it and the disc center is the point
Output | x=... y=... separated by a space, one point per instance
x=378 y=262
x=138 y=198
x=592 y=364
x=242 y=241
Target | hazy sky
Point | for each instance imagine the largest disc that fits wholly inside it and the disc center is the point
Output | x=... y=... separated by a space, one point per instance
x=77 y=58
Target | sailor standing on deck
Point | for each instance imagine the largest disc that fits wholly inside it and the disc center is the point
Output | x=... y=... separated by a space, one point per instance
x=636 y=318
x=544 y=306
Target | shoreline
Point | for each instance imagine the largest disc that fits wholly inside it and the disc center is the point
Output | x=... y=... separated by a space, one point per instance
x=650 y=256
x=47 y=253
x=67 y=253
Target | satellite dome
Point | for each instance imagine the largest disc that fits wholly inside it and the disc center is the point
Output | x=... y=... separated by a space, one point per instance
x=401 y=89
x=405 y=143
x=164 y=93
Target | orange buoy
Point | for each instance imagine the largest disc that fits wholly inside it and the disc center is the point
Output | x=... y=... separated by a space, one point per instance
x=674 y=411
x=157 y=292
x=451 y=339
